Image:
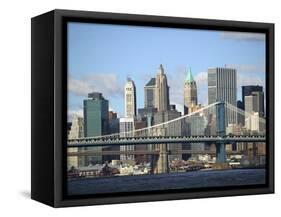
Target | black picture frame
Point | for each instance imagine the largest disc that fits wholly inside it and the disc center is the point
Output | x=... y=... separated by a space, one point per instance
x=49 y=106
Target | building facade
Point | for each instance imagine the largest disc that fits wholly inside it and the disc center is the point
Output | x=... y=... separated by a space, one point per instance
x=190 y=93
x=254 y=108
x=114 y=128
x=130 y=99
x=127 y=126
x=222 y=86
x=247 y=91
x=255 y=103
x=77 y=128
x=76 y=131
x=162 y=101
x=149 y=94
x=95 y=121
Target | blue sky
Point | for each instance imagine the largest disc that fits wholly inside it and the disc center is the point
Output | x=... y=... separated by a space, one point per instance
x=102 y=56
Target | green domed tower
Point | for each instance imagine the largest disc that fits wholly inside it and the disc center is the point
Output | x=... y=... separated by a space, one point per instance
x=190 y=92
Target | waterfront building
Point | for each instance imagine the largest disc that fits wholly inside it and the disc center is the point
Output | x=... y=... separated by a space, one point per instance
x=222 y=86
x=113 y=122
x=147 y=115
x=130 y=99
x=252 y=122
x=140 y=158
x=76 y=131
x=95 y=122
x=77 y=128
x=195 y=125
x=190 y=93
x=113 y=128
x=127 y=127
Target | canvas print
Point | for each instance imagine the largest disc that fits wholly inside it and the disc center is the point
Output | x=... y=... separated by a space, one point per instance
x=157 y=108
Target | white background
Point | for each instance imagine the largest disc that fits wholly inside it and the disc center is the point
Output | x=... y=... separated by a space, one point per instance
x=15 y=106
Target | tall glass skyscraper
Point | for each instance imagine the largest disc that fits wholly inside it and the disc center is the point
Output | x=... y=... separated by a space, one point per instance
x=222 y=86
x=95 y=120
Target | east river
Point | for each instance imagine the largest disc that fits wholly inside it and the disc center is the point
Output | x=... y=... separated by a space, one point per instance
x=187 y=180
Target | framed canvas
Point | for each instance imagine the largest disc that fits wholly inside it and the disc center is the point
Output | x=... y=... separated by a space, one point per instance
x=134 y=108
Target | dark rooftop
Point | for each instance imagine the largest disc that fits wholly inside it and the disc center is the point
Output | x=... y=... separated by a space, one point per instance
x=151 y=82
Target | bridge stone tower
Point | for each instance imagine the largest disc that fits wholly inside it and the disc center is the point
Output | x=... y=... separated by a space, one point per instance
x=163 y=164
x=160 y=163
x=220 y=119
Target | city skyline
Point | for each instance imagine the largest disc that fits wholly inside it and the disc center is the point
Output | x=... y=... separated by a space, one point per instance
x=96 y=76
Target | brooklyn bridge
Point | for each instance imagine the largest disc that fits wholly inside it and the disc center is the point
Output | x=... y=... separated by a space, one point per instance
x=220 y=123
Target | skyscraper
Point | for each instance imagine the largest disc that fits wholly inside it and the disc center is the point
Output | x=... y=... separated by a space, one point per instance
x=255 y=103
x=130 y=99
x=95 y=120
x=77 y=128
x=240 y=116
x=162 y=101
x=126 y=130
x=113 y=128
x=190 y=93
x=149 y=94
x=247 y=91
x=222 y=86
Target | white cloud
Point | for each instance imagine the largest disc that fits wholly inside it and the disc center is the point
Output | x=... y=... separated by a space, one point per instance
x=179 y=107
x=71 y=113
x=202 y=87
x=243 y=36
x=176 y=83
x=243 y=80
x=80 y=87
x=107 y=84
x=248 y=68
x=201 y=79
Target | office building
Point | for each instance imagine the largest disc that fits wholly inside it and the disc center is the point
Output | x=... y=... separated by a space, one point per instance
x=95 y=121
x=113 y=128
x=140 y=158
x=162 y=101
x=149 y=94
x=127 y=126
x=77 y=128
x=76 y=131
x=222 y=86
x=247 y=91
x=254 y=108
x=130 y=99
x=255 y=103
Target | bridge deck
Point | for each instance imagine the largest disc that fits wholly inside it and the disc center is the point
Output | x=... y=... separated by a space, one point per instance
x=88 y=142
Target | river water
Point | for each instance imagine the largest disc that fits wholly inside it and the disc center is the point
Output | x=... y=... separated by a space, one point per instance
x=187 y=180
